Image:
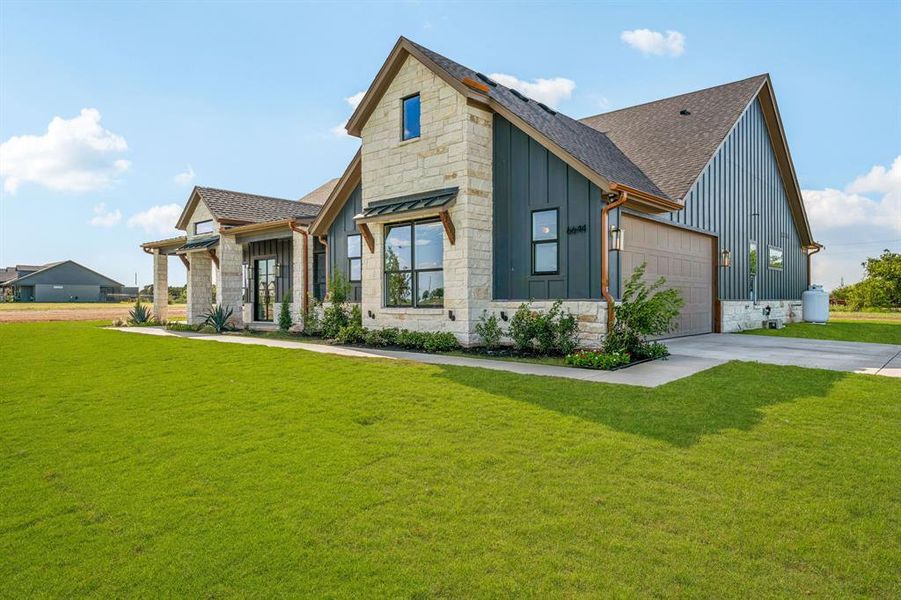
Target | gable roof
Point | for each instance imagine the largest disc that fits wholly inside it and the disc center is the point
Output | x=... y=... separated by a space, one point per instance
x=50 y=266
x=320 y=194
x=233 y=208
x=672 y=148
x=587 y=150
x=340 y=193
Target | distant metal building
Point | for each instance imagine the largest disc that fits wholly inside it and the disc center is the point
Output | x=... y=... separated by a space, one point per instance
x=64 y=281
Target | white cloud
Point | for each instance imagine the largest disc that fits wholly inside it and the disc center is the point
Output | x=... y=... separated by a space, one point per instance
x=855 y=223
x=105 y=218
x=157 y=219
x=340 y=130
x=186 y=177
x=654 y=42
x=74 y=155
x=550 y=91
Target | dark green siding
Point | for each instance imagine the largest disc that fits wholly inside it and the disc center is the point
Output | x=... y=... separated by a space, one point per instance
x=526 y=178
x=341 y=227
x=740 y=197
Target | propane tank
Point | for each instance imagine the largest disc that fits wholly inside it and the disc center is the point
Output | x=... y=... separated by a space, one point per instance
x=815 y=304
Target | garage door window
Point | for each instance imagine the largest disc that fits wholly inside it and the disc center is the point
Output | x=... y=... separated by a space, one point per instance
x=545 y=241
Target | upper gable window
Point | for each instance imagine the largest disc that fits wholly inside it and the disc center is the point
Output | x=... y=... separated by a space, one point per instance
x=410 y=125
x=201 y=227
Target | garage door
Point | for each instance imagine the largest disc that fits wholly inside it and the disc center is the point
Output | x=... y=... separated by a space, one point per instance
x=683 y=258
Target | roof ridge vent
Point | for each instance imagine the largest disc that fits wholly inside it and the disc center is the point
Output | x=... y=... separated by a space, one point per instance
x=684 y=112
x=519 y=95
x=487 y=79
x=547 y=109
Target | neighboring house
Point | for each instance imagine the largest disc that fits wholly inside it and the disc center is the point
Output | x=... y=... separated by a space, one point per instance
x=64 y=281
x=466 y=196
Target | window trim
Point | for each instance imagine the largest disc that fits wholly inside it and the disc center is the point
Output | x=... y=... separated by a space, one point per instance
x=350 y=258
x=412 y=271
x=212 y=227
x=536 y=243
x=769 y=265
x=403 y=116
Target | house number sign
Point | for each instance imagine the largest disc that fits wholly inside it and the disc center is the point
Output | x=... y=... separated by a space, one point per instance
x=576 y=229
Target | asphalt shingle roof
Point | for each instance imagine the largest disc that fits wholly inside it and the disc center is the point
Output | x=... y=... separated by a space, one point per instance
x=320 y=194
x=590 y=146
x=670 y=148
x=251 y=208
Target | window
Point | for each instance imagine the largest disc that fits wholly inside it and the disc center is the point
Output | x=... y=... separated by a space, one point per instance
x=201 y=227
x=774 y=258
x=355 y=258
x=544 y=242
x=752 y=258
x=410 y=125
x=414 y=265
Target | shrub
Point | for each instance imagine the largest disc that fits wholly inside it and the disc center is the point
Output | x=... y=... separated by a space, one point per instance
x=179 y=326
x=382 y=337
x=356 y=315
x=643 y=312
x=522 y=327
x=311 y=322
x=489 y=330
x=284 y=315
x=440 y=341
x=351 y=334
x=119 y=323
x=652 y=350
x=413 y=340
x=335 y=316
x=140 y=315
x=593 y=359
x=218 y=318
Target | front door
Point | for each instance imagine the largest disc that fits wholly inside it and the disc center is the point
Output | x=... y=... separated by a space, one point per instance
x=264 y=288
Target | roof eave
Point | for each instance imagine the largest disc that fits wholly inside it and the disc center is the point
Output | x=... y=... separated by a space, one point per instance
x=644 y=201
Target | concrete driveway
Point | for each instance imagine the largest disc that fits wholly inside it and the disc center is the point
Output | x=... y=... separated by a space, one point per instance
x=857 y=357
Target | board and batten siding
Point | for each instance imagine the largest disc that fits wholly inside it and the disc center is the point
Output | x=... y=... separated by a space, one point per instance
x=740 y=197
x=280 y=249
x=528 y=178
x=343 y=226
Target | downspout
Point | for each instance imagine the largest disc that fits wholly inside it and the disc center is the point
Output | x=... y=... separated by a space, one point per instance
x=810 y=253
x=605 y=255
x=306 y=267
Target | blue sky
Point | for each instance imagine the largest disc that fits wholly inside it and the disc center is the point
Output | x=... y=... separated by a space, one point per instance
x=246 y=97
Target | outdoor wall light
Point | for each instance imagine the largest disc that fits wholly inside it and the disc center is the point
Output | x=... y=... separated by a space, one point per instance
x=616 y=238
x=725 y=258
x=370 y=314
x=504 y=315
x=451 y=315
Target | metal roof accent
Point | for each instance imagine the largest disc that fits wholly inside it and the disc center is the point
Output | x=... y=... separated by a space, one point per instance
x=414 y=202
x=199 y=244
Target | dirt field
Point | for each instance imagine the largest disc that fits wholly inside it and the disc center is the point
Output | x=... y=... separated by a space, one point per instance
x=61 y=311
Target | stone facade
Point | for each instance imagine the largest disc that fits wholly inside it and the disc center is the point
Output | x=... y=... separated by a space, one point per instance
x=199 y=286
x=741 y=315
x=201 y=213
x=160 y=285
x=454 y=149
x=230 y=276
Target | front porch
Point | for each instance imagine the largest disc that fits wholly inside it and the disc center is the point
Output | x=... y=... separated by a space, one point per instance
x=251 y=269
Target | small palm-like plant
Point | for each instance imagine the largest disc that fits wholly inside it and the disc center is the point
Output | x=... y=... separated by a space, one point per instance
x=219 y=318
x=140 y=315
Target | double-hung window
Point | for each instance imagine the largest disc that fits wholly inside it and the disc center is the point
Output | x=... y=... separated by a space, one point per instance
x=414 y=264
x=354 y=258
x=410 y=125
x=545 y=242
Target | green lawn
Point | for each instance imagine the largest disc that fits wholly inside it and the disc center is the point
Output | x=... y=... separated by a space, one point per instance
x=139 y=466
x=880 y=332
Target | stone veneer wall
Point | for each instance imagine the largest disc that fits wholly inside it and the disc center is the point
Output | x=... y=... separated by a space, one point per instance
x=230 y=276
x=739 y=315
x=160 y=285
x=199 y=286
x=201 y=213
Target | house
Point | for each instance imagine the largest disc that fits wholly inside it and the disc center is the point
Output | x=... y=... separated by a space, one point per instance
x=467 y=196
x=63 y=281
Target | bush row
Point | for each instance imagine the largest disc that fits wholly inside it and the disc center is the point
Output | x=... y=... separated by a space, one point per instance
x=428 y=341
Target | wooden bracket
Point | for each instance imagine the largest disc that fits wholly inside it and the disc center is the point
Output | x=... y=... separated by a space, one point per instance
x=367 y=235
x=213 y=256
x=448 y=227
x=184 y=261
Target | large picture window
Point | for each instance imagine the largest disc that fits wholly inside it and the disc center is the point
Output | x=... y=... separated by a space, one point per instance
x=545 y=242
x=410 y=125
x=414 y=264
x=354 y=258
x=774 y=258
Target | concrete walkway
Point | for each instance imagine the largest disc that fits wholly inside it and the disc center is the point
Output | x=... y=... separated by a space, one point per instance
x=856 y=357
x=649 y=374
